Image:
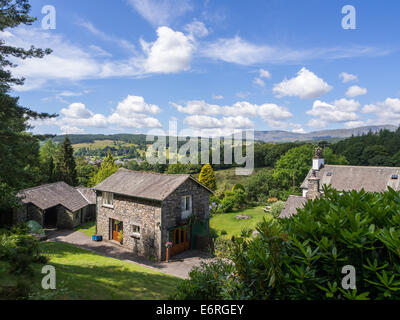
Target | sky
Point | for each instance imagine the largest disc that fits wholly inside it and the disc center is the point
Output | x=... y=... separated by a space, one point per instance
x=213 y=66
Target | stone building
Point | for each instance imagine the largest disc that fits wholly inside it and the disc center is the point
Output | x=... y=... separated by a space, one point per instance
x=56 y=205
x=142 y=211
x=342 y=178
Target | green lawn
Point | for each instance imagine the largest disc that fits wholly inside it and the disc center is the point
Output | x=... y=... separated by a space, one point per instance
x=233 y=227
x=88 y=228
x=81 y=274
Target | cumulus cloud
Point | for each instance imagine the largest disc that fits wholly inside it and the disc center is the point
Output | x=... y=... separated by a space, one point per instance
x=171 y=52
x=196 y=29
x=264 y=74
x=386 y=112
x=132 y=112
x=348 y=77
x=161 y=12
x=201 y=113
x=339 y=111
x=355 y=91
x=306 y=85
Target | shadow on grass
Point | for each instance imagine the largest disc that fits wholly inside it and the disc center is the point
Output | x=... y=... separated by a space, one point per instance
x=85 y=275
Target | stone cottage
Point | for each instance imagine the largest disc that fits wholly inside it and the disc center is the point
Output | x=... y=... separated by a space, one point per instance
x=143 y=211
x=56 y=205
x=342 y=178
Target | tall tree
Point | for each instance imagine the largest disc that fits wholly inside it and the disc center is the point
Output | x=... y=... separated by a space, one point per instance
x=19 y=150
x=65 y=166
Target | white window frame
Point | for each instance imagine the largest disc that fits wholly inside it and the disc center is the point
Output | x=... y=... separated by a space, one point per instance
x=136 y=234
x=186 y=212
x=110 y=204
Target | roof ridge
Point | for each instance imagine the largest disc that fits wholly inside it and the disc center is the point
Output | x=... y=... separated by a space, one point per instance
x=156 y=173
x=45 y=185
x=352 y=166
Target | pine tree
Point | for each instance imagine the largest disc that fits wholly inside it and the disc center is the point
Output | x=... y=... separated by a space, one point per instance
x=65 y=166
x=207 y=177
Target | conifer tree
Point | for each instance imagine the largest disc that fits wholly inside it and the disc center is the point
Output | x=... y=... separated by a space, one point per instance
x=108 y=167
x=207 y=177
x=65 y=166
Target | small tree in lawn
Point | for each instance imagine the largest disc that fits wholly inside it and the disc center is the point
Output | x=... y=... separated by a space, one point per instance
x=207 y=177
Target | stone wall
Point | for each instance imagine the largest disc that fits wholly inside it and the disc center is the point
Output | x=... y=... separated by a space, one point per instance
x=20 y=214
x=34 y=213
x=171 y=208
x=132 y=211
x=67 y=219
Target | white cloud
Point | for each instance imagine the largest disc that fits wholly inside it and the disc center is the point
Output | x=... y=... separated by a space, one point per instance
x=217 y=97
x=355 y=91
x=78 y=115
x=347 y=77
x=342 y=111
x=71 y=130
x=204 y=122
x=196 y=29
x=306 y=85
x=259 y=82
x=201 y=113
x=264 y=74
x=239 y=51
x=171 y=52
x=161 y=12
x=135 y=104
x=76 y=111
x=386 y=112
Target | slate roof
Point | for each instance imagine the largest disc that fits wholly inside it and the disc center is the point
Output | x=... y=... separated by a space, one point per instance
x=88 y=193
x=347 y=178
x=145 y=185
x=291 y=206
x=54 y=194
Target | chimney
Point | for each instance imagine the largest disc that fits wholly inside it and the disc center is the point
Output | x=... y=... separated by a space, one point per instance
x=318 y=160
x=313 y=187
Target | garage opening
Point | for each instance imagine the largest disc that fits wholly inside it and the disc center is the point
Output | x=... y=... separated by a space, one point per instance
x=50 y=218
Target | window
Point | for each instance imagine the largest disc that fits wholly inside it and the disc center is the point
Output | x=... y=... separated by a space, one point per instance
x=135 y=231
x=395 y=177
x=108 y=199
x=186 y=206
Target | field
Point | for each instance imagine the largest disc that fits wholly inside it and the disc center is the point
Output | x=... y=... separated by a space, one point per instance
x=89 y=228
x=234 y=227
x=83 y=275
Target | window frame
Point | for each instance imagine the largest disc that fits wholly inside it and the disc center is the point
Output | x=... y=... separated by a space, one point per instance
x=186 y=212
x=135 y=234
x=104 y=196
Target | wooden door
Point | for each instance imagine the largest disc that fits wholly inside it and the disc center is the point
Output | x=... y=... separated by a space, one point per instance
x=116 y=228
x=180 y=240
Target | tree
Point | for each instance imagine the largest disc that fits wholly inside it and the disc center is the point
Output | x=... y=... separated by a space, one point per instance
x=47 y=152
x=19 y=150
x=108 y=167
x=85 y=171
x=65 y=166
x=207 y=177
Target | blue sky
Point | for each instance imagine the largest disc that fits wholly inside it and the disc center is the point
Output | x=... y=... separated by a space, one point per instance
x=214 y=66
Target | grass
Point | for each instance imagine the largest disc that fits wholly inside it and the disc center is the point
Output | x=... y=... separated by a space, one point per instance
x=89 y=228
x=234 y=227
x=83 y=275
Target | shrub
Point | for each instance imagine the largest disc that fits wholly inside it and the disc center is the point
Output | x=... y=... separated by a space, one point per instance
x=302 y=257
x=276 y=208
x=207 y=177
x=206 y=282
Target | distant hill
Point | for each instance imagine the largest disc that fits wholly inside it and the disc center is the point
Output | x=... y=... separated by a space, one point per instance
x=266 y=136
x=286 y=136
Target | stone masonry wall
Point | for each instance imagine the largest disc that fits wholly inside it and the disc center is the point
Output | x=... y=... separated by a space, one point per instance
x=132 y=211
x=171 y=208
x=34 y=213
